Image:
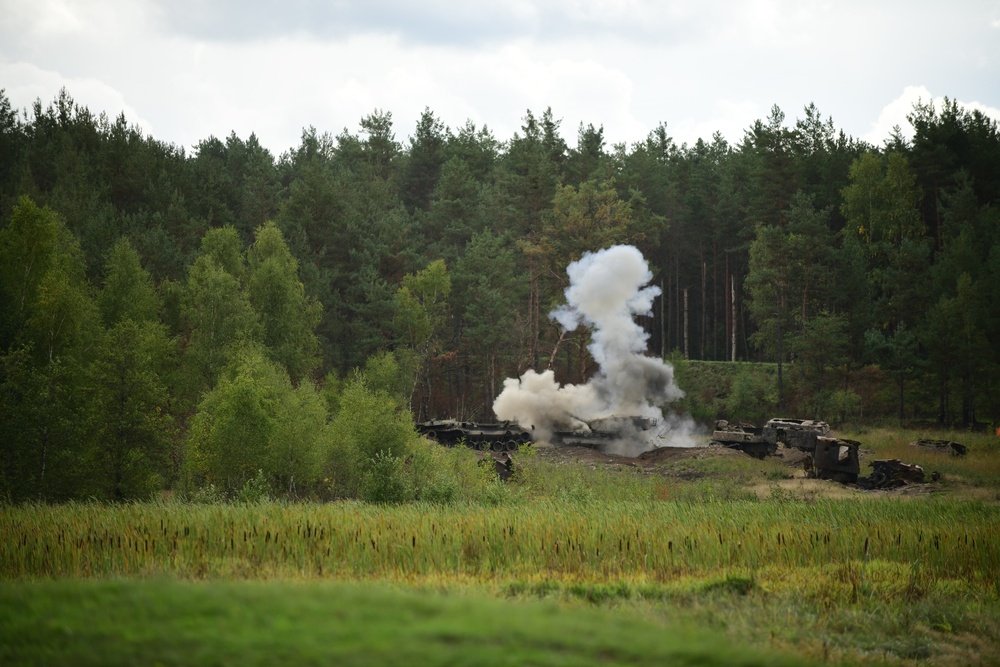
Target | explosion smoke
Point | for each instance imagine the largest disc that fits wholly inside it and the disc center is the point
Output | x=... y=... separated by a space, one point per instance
x=606 y=292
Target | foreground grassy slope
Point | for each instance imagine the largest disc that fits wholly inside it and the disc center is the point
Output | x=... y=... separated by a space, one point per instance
x=748 y=551
x=266 y=623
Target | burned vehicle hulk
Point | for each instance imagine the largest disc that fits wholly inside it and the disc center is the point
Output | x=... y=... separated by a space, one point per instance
x=829 y=457
x=603 y=432
x=757 y=442
x=798 y=433
x=497 y=437
x=836 y=459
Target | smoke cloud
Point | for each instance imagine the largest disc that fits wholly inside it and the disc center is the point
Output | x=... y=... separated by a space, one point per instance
x=608 y=289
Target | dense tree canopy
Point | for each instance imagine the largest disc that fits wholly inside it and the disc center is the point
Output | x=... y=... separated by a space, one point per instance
x=164 y=313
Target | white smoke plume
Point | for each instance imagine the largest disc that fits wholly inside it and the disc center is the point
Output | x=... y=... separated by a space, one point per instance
x=608 y=289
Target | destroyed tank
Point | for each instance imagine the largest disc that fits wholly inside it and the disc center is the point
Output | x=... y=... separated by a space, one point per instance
x=497 y=437
x=829 y=457
x=751 y=440
x=798 y=433
x=836 y=459
x=598 y=433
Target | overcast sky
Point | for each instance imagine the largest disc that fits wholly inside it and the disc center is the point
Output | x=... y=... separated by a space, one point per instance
x=185 y=70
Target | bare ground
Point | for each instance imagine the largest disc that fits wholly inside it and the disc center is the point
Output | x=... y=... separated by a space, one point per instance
x=668 y=462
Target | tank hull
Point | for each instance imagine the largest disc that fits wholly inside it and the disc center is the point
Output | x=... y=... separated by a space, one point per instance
x=497 y=437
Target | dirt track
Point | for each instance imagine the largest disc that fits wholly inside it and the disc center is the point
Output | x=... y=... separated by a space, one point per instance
x=647 y=461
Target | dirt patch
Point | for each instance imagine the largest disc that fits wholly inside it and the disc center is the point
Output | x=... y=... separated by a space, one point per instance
x=804 y=488
x=668 y=461
x=647 y=462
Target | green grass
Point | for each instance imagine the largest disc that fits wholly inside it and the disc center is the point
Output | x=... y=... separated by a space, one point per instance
x=980 y=467
x=953 y=540
x=265 y=623
x=552 y=570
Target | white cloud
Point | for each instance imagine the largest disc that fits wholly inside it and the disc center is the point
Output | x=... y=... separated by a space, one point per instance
x=192 y=69
x=896 y=111
x=894 y=114
x=730 y=118
x=25 y=83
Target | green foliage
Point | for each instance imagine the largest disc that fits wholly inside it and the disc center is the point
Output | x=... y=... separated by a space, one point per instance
x=51 y=330
x=421 y=310
x=301 y=440
x=821 y=355
x=256 y=489
x=253 y=420
x=223 y=248
x=234 y=424
x=288 y=317
x=769 y=285
x=130 y=403
x=789 y=245
x=37 y=254
x=845 y=404
x=182 y=623
x=369 y=431
x=488 y=302
x=48 y=302
x=128 y=293
x=451 y=474
x=385 y=480
x=130 y=380
x=752 y=395
x=48 y=438
x=583 y=219
x=421 y=305
x=392 y=373
x=219 y=317
x=897 y=353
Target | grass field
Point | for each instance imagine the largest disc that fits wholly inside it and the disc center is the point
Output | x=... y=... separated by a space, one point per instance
x=290 y=623
x=684 y=563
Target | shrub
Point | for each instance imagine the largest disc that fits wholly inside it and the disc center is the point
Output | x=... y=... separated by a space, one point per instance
x=253 y=423
x=255 y=490
x=846 y=404
x=385 y=480
x=369 y=432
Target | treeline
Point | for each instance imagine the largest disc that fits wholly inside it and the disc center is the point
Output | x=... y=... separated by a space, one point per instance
x=155 y=303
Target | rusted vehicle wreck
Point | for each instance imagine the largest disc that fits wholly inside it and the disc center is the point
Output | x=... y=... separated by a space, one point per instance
x=828 y=457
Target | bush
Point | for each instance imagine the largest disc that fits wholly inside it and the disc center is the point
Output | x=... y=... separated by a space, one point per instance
x=846 y=404
x=445 y=474
x=255 y=490
x=369 y=432
x=385 y=480
x=253 y=422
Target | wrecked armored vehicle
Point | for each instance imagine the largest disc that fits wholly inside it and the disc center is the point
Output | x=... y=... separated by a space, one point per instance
x=828 y=457
x=757 y=442
x=498 y=437
x=798 y=433
x=836 y=459
x=763 y=441
x=599 y=433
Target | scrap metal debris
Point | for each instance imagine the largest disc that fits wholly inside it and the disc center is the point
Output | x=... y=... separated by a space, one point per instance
x=891 y=474
x=501 y=462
